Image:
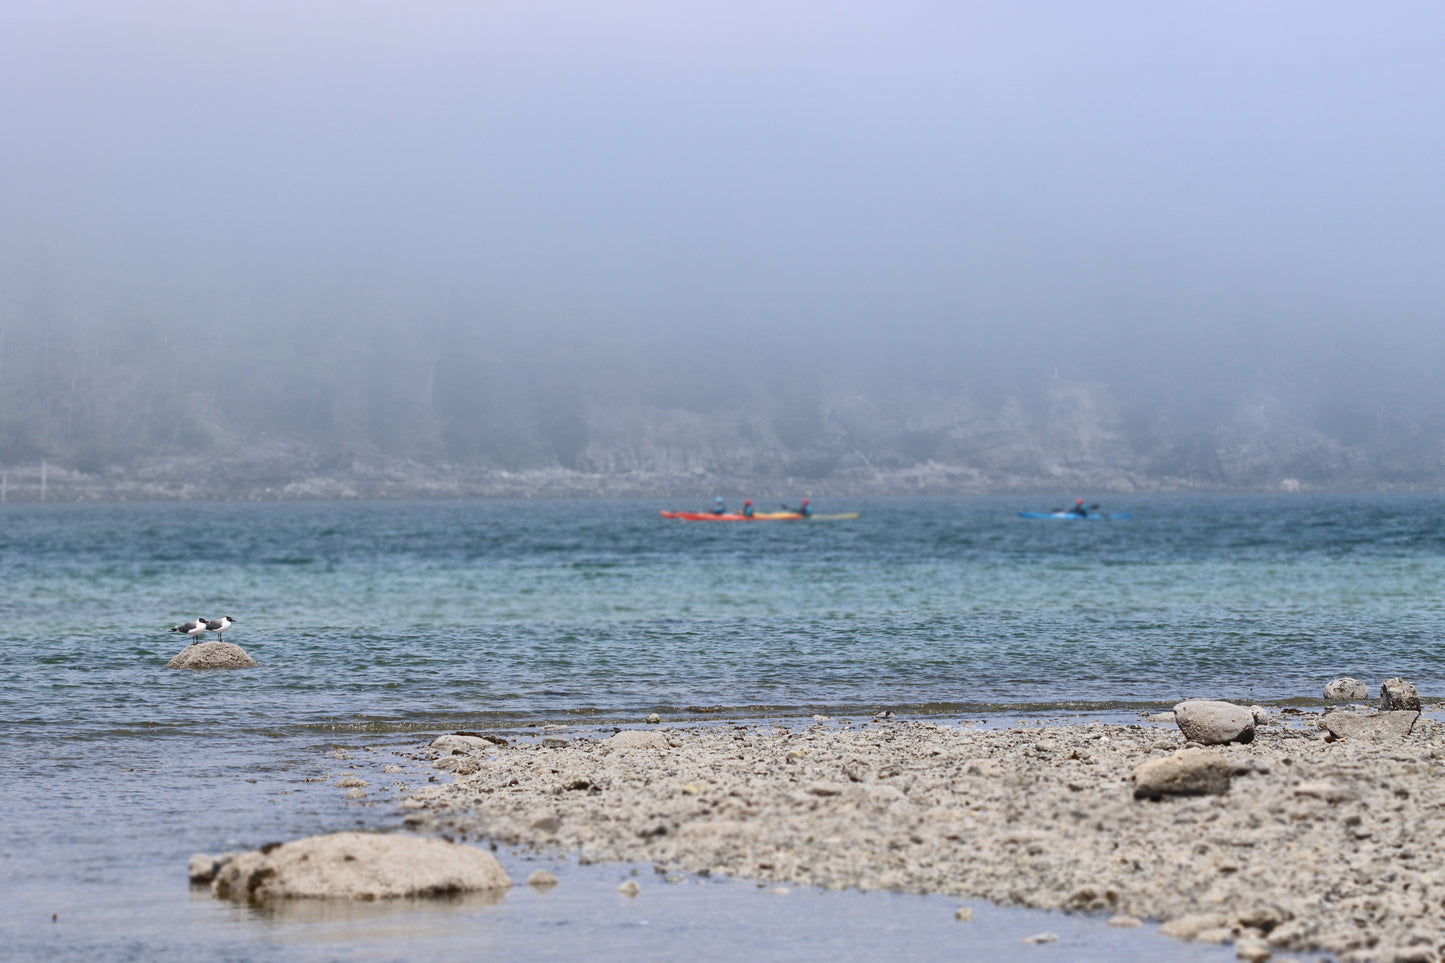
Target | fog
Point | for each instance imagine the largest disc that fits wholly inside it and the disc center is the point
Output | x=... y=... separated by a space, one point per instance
x=1198 y=243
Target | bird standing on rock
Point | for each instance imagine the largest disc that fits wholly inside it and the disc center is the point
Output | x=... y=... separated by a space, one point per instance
x=192 y=629
x=220 y=625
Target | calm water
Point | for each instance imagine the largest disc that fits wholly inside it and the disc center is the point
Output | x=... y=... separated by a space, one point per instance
x=380 y=623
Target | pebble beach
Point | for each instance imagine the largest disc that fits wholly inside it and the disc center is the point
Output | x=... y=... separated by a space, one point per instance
x=1314 y=843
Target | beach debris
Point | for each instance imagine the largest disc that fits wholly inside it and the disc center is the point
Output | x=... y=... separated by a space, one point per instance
x=1396 y=694
x=1373 y=726
x=1345 y=689
x=1188 y=772
x=541 y=879
x=1212 y=723
x=212 y=655
x=361 y=866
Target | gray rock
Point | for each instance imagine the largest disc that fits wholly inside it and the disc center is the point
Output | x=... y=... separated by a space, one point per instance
x=1371 y=727
x=452 y=743
x=203 y=868
x=555 y=742
x=1397 y=694
x=461 y=765
x=212 y=655
x=1213 y=723
x=638 y=739
x=1346 y=689
x=541 y=879
x=362 y=866
x=1188 y=772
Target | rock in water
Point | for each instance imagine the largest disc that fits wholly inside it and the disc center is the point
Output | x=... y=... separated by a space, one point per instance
x=1397 y=694
x=1369 y=727
x=1188 y=772
x=362 y=866
x=212 y=655
x=1346 y=690
x=1214 y=723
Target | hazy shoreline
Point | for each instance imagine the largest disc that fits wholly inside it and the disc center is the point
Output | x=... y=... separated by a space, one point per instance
x=272 y=478
x=1318 y=846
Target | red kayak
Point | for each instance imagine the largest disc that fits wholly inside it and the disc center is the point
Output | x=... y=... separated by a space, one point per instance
x=729 y=517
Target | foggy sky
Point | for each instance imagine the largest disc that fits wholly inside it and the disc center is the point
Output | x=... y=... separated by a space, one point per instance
x=1158 y=196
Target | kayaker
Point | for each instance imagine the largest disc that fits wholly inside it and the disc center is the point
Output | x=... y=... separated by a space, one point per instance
x=747 y=508
x=718 y=508
x=1079 y=509
x=804 y=510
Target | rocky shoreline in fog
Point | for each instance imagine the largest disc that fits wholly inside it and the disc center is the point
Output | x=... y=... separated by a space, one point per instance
x=286 y=473
x=1312 y=835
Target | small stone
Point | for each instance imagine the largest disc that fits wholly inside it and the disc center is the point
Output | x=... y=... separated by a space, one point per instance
x=1211 y=723
x=638 y=739
x=361 y=866
x=822 y=718
x=796 y=755
x=554 y=742
x=1346 y=690
x=452 y=742
x=547 y=824
x=1372 y=727
x=1188 y=772
x=1397 y=694
x=1125 y=922
x=629 y=888
x=1261 y=715
x=541 y=879
x=1038 y=938
x=356 y=794
x=694 y=788
x=1256 y=951
x=351 y=782
x=963 y=914
x=654 y=718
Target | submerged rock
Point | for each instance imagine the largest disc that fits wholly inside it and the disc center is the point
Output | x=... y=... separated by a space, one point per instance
x=1396 y=694
x=1188 y=772
x=1213 y=723
x=212 y=655
x=1374 y=726
x=361 y=866
x=1346 y=689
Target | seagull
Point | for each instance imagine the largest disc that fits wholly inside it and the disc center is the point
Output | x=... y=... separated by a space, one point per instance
x=220 y=625
x=192 y=629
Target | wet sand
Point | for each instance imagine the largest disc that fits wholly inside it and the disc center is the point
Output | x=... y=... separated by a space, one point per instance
x=1317 y=845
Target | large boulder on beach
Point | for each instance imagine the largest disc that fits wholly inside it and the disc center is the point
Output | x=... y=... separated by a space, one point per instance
x=1369 y=726
x=1188 y=772
x=1214 y=723
x=1397 y=694
x=1345 y=689
x=212 y=655
x=358 y=866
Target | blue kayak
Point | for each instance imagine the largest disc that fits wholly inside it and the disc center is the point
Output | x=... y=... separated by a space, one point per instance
x=1063 y=516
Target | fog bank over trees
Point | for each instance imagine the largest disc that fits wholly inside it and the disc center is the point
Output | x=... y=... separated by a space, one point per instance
x=623 y=248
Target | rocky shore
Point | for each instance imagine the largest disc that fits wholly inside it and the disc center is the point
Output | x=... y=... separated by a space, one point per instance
x=1298 y=841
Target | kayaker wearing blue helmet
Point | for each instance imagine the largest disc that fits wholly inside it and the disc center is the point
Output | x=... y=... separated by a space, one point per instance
x=718 y=508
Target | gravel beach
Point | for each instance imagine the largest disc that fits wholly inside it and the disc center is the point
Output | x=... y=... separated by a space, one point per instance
x=1314 y=843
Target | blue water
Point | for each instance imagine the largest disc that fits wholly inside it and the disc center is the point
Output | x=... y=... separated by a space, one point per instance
x=379 y=623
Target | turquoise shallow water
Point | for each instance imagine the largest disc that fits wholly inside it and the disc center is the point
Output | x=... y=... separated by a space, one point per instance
x=379 y=623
